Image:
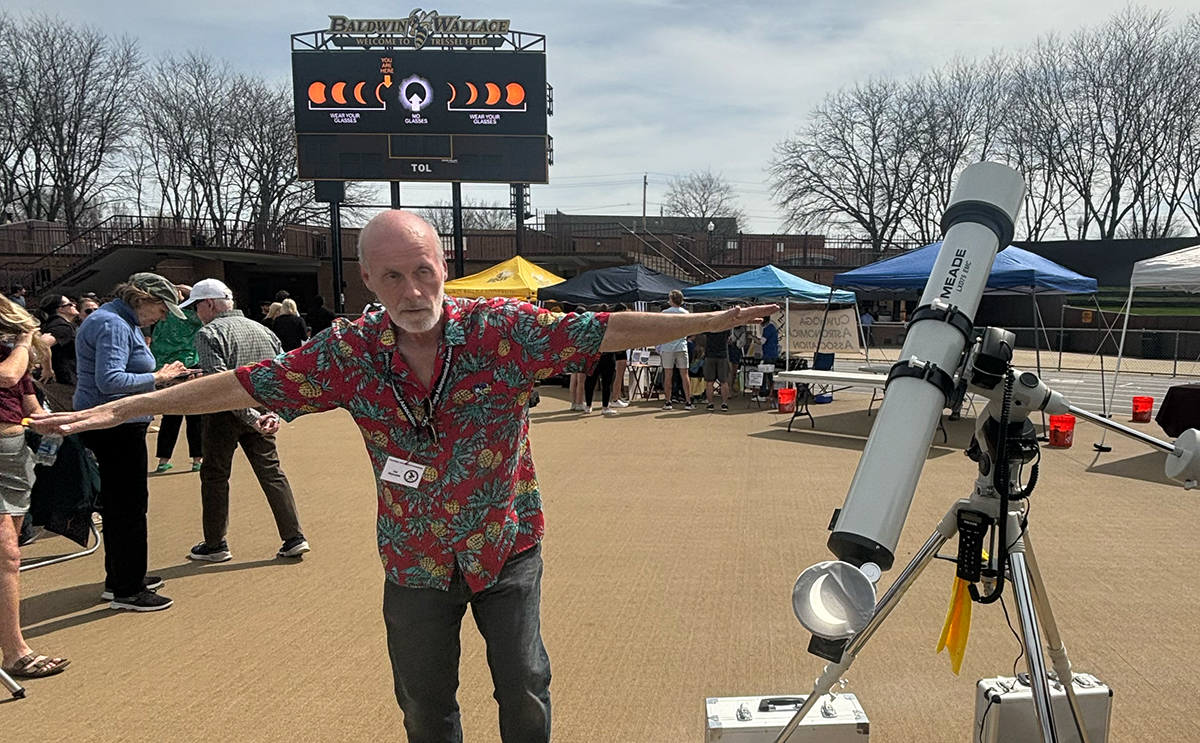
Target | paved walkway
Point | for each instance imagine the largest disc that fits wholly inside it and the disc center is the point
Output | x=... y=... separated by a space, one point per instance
x=673 y=542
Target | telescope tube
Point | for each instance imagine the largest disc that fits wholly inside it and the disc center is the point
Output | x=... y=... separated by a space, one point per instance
x=978 y=223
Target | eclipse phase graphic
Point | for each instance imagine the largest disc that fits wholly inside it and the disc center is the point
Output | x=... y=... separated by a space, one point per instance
x=337 y=97
x=511 y=95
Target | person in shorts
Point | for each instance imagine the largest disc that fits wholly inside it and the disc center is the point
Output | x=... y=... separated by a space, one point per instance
x=21 y=347
x=675 y=355
x=716 y=367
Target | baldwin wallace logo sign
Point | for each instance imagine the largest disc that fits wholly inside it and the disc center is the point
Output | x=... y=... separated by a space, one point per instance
x=417 y=30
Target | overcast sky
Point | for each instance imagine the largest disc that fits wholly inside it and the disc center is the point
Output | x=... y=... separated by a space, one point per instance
x=644 y=86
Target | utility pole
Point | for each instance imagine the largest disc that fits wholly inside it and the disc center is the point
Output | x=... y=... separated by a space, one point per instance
x=395 y=194
x=645 y=182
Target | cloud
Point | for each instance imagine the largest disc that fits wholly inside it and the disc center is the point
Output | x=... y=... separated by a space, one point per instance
x=645 y=85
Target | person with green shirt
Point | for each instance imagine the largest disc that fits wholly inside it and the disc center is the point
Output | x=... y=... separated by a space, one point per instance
x=175 y=340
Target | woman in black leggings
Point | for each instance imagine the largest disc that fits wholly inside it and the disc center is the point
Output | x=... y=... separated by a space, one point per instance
x=605 y=371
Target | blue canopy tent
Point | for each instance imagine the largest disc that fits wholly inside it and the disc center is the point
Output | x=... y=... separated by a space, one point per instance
x=1015 y=271
x=770 y=282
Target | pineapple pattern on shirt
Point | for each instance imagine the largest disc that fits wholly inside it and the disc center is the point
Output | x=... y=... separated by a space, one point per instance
x=478 y=501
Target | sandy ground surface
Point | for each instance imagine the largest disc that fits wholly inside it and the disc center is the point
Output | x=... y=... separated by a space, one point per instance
x=673 y=542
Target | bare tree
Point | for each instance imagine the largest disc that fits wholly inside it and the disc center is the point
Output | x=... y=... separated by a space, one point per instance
x=702 y=196
x=855 y=164
x=478 y=214
x=222 y=149
x=75 y=87
x=959 y=110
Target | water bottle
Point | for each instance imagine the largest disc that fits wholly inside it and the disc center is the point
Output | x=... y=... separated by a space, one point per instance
x=47 y=451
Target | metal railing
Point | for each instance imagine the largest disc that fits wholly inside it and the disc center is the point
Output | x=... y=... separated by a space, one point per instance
x=59 y=255
x=1174 y=353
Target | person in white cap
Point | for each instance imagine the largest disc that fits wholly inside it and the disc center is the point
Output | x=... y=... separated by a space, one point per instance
x=229 y=340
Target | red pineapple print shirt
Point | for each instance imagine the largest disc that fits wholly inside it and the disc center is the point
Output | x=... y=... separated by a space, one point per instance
x=478 y=501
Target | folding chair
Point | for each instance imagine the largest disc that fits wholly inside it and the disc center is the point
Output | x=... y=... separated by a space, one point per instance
x=823 y=362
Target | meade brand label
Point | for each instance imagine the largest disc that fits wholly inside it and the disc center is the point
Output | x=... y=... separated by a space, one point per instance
x=419 y=28
x=956 y=277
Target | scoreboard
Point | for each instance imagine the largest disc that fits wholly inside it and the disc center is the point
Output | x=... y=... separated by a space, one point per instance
x=428 y=115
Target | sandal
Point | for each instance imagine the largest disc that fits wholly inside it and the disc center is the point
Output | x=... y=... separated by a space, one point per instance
x=34 y=666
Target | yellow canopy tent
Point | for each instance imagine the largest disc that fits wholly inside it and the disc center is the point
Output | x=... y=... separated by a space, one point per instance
x=515 y=277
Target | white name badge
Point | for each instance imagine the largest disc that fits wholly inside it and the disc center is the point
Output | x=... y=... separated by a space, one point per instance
x=404 y=473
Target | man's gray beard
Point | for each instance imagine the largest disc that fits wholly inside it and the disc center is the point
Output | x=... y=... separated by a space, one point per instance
x=434 y=315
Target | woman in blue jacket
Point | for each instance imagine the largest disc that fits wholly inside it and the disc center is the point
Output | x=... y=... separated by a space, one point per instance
x=113 y=361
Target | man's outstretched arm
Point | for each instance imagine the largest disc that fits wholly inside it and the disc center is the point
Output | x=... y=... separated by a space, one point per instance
x=638 y=329
x=211 y=394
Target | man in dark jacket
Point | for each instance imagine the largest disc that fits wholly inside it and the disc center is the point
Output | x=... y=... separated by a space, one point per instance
x=319 y=318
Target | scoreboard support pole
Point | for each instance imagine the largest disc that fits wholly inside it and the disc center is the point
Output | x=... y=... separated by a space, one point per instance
x=395 y=194
x=518 y=192
x=456 y=191
x=335 y=246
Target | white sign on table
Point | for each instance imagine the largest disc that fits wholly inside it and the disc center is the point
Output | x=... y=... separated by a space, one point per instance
x=840 y=333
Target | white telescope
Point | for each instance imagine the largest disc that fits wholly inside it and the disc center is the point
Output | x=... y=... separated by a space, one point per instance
x=978 y=223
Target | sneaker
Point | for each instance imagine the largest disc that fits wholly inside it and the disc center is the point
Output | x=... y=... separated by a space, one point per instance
x=151 y=583
x=724 y=407
x=204 y=553
x=164 y=467
x=585 y=409
x=620 y=403
x=608 y=411
x=708 y=406
x=293 y=547
x=144 y=601
x=668 y=406
x=195 y=466
x=689 y=406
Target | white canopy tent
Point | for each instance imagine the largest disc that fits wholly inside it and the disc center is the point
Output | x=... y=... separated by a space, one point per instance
x=1178 y=271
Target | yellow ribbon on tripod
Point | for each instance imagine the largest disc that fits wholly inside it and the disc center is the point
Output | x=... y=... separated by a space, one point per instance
x=957 y=626
x=958 y=623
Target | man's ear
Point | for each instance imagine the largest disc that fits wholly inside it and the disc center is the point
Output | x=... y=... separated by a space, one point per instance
x=366 y=277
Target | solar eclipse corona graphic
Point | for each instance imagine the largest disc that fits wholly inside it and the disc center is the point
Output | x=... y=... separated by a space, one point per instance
x=415 y=93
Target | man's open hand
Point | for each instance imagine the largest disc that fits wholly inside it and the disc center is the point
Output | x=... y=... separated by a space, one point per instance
x=103 y=416
x=735 y=316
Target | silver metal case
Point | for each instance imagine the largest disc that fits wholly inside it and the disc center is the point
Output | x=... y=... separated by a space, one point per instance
x=837 y=720
x=1004 y=711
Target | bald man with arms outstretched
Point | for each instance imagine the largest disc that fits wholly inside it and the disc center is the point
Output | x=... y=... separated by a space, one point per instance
x=439 y=388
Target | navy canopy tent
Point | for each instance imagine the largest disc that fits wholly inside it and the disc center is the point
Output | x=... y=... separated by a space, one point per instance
x=768 y=282
x=1015 y=271
x=631 y=283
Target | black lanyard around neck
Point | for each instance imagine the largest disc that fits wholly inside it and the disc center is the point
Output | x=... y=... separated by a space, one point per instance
x=429 y=404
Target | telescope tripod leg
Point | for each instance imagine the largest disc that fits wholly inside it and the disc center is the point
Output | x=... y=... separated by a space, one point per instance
x=1054 y=643
x=834 y=671
x=1031 y=638
x=13 y=687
